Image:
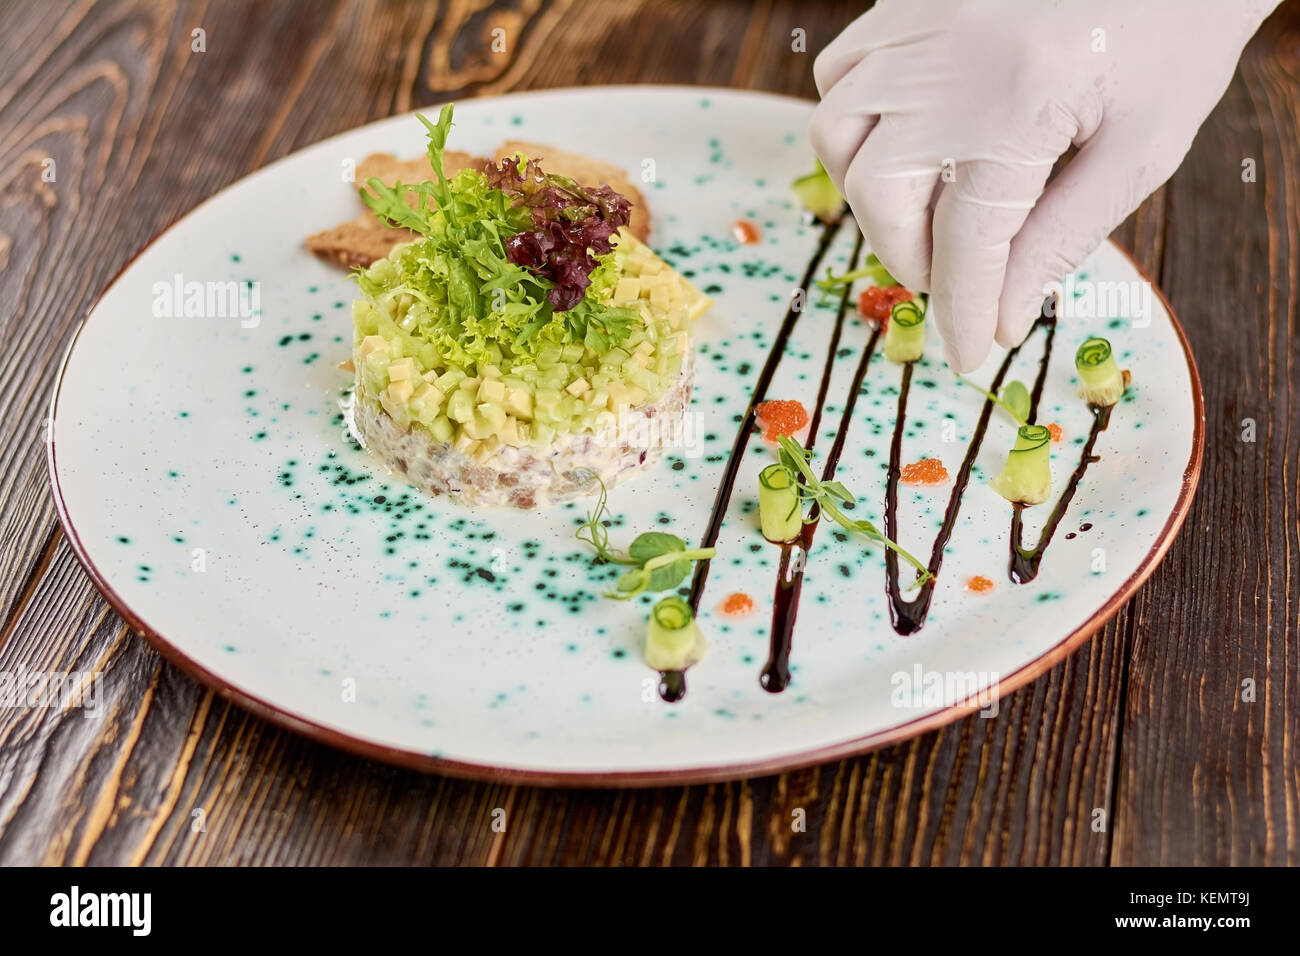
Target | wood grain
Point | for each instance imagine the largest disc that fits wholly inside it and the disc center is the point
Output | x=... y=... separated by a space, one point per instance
x=1144 y=724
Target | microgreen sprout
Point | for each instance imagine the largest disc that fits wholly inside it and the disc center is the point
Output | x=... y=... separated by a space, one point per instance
x=830 y=497
x=1014 y=399
x=658 y=561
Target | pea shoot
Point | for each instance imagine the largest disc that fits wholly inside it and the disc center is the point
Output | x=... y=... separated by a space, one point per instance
x=829 y=499
x=658 y=561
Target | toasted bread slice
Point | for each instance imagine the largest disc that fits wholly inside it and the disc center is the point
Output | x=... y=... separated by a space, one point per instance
x=358 y=242
x=589 y=172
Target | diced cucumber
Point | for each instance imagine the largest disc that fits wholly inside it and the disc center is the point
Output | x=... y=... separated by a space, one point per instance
x=460 y=406
x=442 y=429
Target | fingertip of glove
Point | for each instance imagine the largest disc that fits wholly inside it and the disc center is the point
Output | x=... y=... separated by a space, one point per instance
x=960 y=360
x=1015 y=321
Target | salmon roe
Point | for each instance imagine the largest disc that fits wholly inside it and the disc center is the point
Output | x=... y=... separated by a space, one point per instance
x=1055 y=429
x=745 y=232
x=737 y=604
x=877 y=302
x=927 y=471
x=781 y=417
x=979 y=584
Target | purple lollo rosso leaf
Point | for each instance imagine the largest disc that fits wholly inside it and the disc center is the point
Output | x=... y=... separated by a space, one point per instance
x=572 y=222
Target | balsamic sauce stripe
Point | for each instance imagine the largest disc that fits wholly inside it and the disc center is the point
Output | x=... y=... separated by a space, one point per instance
x=764 y=381
x=907 y=617
x=775 y=675
x=672 y=684
x=1025 y=562
x=1037 y=393
x=824 y=387
x=785 y=606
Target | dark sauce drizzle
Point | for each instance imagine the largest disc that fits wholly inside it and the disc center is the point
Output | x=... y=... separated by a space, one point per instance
x=785 y=606
x=672 y=684
x=1050 y=324
x=907 y=617
x=775 y=675
x=1024 y=562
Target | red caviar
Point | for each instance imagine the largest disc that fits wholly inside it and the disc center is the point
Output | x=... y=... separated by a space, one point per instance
x=979 y=584
x=1055 y=429
x=737 y=604
x=781 y=417
x=927 y=471
x=746 y=232
x=876 y=302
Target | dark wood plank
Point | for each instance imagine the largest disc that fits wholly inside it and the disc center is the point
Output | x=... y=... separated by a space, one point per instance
x=1206 y=775
x=142 y=129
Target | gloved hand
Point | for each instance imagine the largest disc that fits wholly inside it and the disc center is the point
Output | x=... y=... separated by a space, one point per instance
x=940 y=121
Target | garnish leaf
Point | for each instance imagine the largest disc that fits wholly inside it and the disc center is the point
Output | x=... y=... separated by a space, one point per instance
x=870 y=269
x=659 y=561
x=1015 y=399
x=837 y=490
x=651 y=544
x=827 y=498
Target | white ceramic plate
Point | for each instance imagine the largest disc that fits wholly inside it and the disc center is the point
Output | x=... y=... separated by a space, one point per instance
x=204 y=477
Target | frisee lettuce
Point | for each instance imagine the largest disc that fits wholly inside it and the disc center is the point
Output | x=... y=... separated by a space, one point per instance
x=469 y=300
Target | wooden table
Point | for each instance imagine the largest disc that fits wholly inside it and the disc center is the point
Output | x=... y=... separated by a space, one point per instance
x=1144 y=729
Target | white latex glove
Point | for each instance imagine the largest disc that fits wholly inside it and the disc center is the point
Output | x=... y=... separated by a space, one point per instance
x=940 y=121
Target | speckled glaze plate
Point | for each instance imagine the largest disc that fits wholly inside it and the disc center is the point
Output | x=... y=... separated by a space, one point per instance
x=205 y=478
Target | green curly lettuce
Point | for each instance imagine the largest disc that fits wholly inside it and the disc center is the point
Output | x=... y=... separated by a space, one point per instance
x=466 y=298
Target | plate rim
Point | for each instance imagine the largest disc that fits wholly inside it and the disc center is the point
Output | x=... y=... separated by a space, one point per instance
x=607 y=779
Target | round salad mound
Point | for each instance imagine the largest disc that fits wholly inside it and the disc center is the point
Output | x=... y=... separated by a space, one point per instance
x=525 y=343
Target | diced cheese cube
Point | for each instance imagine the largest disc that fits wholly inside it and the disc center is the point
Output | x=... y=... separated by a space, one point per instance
x=400 y=390
x=509 y=432
x=401 y=370
x=371 y=344
x=427 y=396
x=493 y=417
x=627 y=291
x=519 y=402
x=577 y=387
x=491 y=390
x=699 y=306
x=617 y=394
